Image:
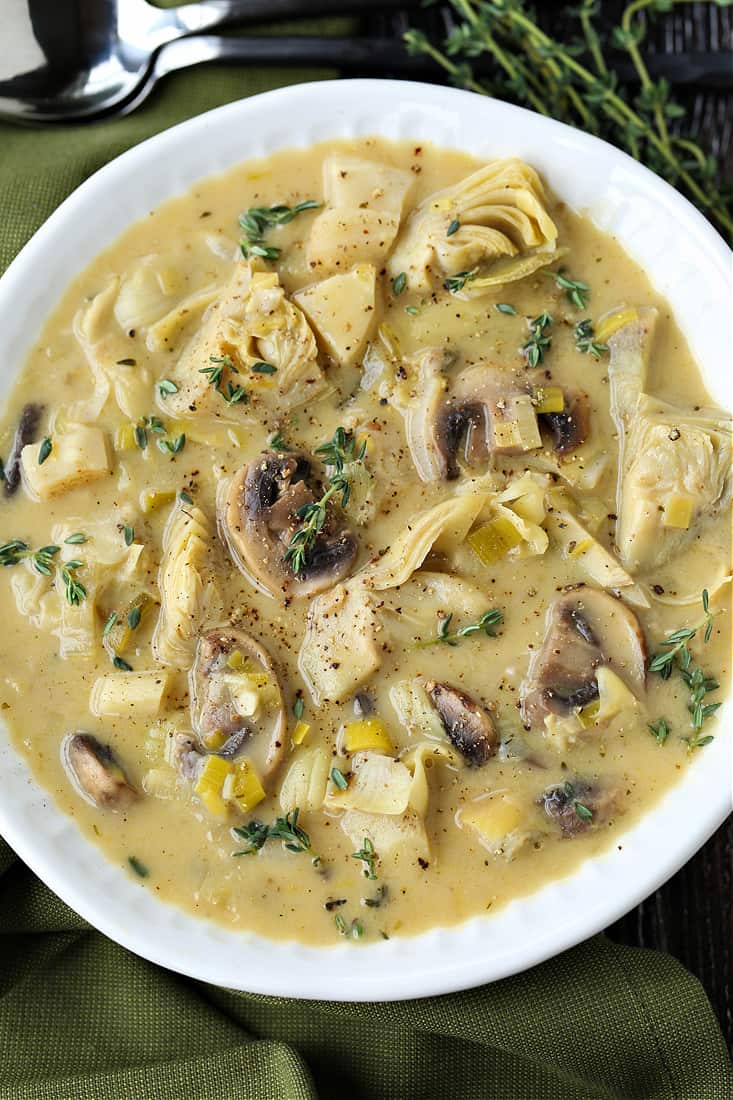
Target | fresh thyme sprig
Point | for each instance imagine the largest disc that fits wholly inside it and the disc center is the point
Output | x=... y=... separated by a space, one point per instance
x=256 y=833
x=258 y=219
x=538 y=343
x=367 y=854
x=585 y=341
x=575 y=82
x=485 y=624
x=660 y=729
x=44 y=562
x=575 y=291
x=675 y=653
x=339 y=451
x=456 y=283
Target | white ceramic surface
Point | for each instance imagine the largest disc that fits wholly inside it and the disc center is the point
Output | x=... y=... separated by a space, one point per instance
x=686 y=261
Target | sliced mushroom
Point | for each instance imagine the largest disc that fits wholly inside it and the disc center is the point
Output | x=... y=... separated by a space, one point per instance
x=261 y=515
x=225 y=701
x=491 y=409
x=577 y=805
x=468 y=725
x=24 y=433
x=586 y=628
x=96 y=773
x=570 y=427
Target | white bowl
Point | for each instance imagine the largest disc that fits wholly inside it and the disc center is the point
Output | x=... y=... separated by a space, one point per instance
x=686 y=261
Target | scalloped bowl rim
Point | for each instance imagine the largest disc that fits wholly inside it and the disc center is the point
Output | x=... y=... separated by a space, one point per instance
x=685 y=259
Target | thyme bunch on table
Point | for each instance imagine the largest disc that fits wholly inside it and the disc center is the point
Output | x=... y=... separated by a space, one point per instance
x=574 y=81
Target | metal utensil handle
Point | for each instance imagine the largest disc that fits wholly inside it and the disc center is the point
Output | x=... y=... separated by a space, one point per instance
x=381 y=55
x=207 y=14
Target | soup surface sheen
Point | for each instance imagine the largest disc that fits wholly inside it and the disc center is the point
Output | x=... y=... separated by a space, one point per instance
x=432 y=638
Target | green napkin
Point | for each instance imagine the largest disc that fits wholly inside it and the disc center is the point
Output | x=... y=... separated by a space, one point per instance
x=83 y=1019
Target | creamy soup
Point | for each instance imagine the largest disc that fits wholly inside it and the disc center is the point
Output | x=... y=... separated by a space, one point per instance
x=354 y=504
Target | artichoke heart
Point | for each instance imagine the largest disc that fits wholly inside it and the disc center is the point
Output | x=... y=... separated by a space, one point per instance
x=495 y=215
x=187 y=591
x=675 y=464
x=251 y=323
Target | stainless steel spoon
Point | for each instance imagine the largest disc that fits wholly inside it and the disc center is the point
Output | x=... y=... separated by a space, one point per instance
x=67 y=60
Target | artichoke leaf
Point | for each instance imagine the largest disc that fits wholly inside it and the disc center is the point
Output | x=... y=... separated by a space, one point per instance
x=674 y=471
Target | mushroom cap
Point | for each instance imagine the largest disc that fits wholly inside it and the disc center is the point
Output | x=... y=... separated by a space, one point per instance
x=96 y=773
x=212 y=706
x=468 y=725
x=260 y=515
x=571 y=427
x=586 y=628
x=560 y=803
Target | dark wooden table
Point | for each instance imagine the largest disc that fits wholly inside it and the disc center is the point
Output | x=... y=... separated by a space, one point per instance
x=691 y=917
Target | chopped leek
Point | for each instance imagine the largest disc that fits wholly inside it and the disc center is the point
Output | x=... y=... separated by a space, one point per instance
x=153 y=499
x=548 y=399
x=300 y=732
x=612 y=322
x=494 y=539
x=364 y=734
x=242 y=786
x=210 y=784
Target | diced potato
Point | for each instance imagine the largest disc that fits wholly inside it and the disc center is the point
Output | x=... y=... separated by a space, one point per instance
x=341 y=309
x=77 y=457
x=304 y=785
x=678 y=509
x=497 y=820
x=364 y=734
x=351 y=183
x=210 y=784
x=242 y=786
x=491 y=542
x=129 y=694
x=340 y=238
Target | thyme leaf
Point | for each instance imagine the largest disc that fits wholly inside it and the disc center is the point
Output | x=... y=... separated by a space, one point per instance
x=399 y=283
x=339 y=779
x=294 y=837
x=572 y=79
x=485 y=624
x=456 y=283
x=367 y=854
x=585 y=341
x=576 y=292
x=538 y=343
x=660 y=729
x=256 y=221
x=339 y=451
